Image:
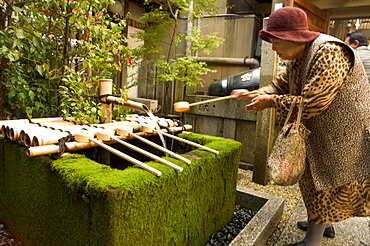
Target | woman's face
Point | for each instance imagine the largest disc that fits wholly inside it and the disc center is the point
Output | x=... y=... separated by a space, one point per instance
x=287 y=50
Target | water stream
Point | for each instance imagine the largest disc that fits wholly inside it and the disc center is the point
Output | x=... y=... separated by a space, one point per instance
x=157 y=127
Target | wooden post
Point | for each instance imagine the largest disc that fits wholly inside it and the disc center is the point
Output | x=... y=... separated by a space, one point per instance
x=266 y=118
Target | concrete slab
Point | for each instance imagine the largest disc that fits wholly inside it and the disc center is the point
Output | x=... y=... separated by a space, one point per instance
x=262 y=225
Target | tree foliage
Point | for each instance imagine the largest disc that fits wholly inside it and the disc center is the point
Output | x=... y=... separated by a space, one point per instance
x=161 y=37
x=56 y=53
x=53 y=52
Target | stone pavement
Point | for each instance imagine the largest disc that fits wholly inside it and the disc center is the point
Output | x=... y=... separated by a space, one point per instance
x=350 y=232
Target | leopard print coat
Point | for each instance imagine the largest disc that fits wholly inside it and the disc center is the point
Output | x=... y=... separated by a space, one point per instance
x=333 y=84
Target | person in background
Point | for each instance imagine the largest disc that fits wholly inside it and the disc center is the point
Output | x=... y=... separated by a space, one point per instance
x=329 y=77
x=358 y=41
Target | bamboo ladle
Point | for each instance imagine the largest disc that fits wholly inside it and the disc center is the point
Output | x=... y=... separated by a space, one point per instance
x=184 y=106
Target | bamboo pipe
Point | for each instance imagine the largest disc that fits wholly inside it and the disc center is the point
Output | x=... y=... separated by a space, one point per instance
x=127 y=157
x=40 y=139
x=28 y=138
x=50 y=120
x=74 y=146
x=53 y=149
x=129 y=104
x=106 y=88
x=5 y=123
x=54 y=125
x=14 y=133
x=148 y=154
x=115 y=125
x=14 y=123
x=39 y=135
x=44 y=136
x=187 y=161
x=191 y=143
x=184 y=106
x=71 y=129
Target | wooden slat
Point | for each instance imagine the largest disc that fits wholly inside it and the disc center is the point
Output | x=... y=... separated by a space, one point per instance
x=318 y=19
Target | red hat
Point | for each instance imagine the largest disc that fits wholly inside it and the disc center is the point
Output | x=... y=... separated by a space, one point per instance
x=288 y=23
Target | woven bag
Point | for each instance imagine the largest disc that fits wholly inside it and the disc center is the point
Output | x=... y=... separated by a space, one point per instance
x=286 y=163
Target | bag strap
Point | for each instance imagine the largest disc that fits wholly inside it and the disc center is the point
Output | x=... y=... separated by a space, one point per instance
x=291 y=110
x=300 y=109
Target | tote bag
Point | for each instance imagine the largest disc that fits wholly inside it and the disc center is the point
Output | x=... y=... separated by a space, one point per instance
x=286 y=163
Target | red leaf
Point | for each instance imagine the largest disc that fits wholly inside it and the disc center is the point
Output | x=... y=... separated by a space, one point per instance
x=128 y=60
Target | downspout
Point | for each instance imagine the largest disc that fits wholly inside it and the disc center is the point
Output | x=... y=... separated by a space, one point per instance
x=189 y=28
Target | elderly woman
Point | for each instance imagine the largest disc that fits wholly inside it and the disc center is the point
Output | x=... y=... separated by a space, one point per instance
x=328 y=76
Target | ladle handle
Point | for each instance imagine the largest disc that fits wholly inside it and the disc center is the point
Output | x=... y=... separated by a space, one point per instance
x=219 y=99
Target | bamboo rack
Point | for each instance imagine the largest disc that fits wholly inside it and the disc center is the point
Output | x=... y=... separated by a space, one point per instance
x=42 y=135
x=74 y=146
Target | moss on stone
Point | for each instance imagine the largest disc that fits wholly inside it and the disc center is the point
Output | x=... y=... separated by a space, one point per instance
x=77 y=201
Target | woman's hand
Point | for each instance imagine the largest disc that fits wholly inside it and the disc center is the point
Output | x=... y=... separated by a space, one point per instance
x=239 y=94
x=260 y=102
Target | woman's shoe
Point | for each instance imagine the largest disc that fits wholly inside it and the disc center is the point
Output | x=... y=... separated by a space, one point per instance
x=329 y=232
x=297 y=244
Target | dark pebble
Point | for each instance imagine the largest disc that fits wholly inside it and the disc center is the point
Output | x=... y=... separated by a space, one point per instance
x=227 y=233
x=6 y=239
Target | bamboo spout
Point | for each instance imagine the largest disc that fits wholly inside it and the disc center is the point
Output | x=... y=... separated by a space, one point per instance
x=129 y=104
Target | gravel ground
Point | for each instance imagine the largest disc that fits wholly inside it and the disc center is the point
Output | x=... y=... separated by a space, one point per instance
x=291 y=195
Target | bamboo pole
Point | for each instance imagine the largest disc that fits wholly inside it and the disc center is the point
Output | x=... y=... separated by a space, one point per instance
x=14 y=133
x=187 y=161
x=54 y=125
x=14 y=123
x=53 y=149
x=40 y=139
x=191 y=143
x=127 y=157
x=184 y=106
x=50 y=120
x=148 y=154
x=106 y=86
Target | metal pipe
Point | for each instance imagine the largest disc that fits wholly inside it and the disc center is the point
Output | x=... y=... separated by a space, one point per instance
x=230 y=60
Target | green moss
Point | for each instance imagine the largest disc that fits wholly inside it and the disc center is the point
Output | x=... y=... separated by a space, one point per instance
x=76 y=201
